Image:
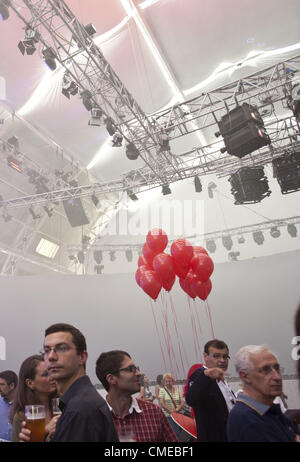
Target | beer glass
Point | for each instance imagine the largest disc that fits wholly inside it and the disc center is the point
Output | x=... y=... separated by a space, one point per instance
x=55 y=406
x=35 y=416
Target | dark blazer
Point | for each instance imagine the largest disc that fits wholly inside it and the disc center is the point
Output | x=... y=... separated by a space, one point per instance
x=209 y=405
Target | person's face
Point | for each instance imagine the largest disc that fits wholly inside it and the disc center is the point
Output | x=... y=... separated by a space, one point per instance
x=64 y=363
x=264 y=380
x=5 y=389
x=216 y=358
x=42 y=382
x=126 y=380
x=169 y=381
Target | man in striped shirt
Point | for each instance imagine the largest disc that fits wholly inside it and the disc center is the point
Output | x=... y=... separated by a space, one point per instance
x=134 y=419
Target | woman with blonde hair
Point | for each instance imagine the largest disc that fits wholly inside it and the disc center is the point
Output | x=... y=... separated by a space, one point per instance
x=171 y=399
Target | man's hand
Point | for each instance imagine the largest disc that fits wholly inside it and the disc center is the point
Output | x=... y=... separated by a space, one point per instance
x=24 y=434
x=215 y=373
x=51 y=426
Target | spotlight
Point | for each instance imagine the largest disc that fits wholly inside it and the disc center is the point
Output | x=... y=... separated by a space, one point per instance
x=48 y=210
x=90 y=29
x=4 y=12
x=117 y=140
x=241 y=239
x=286 y=169
x=211 y=245
x=85 y=240
x=211 y=186
x=96 y=117
x=197 y=183
x=132 y=196
x=95 y=200
x=233 y=256
x=164 y=142
x=69 y=87
x=86 y=96
x=292 y=230
x=166 y=190
x=31 y=38
x=33 y=213
x=258 y=237
x=14 y=141
x=98 y=269
x=110 y=126
x=98 y=256
x=49 y=58
x=227 y=242
x=129 y=255
x=295 y=101
x=80 y=256
x=132 y=152
x=112 y=255
x=14 y=163
x=249 y=185
x=275 y=232
x=73 y=258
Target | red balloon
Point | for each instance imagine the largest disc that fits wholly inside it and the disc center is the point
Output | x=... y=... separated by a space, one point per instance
x=181 y=271
x=148 y=254
x=202 y=266
x=142 y=261
x=167 y=285
x=157 y=240
x=198 y=249
x=202 y=289
x=182 y=251
x=187 y=288
x=150 y=283
x=163 y=265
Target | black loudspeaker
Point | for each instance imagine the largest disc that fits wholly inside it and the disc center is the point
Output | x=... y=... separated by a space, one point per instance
x=75 y=212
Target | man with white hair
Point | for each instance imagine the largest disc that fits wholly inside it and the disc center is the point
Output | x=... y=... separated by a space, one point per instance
x=255 y=417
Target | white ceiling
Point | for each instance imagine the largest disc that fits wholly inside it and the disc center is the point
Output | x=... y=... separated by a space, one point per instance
x=194 y=39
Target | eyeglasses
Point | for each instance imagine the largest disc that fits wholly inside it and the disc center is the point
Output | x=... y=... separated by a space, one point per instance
x=131 y=369
x=58 y=349
x=220 y=356
x=266 y=370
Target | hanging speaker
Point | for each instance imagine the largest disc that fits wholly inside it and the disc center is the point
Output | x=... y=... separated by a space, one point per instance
x=75 y=212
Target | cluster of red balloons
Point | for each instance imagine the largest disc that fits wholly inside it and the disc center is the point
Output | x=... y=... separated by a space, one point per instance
x=157 y=269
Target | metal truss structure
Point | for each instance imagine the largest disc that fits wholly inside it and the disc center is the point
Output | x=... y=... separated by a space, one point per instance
x=73 y=47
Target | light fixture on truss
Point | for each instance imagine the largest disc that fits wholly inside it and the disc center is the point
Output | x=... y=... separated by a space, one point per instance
x=96 y=117
x=69 y=87
x=32 y=37
x=4 y=12
x=249 y=185
x=49 y=58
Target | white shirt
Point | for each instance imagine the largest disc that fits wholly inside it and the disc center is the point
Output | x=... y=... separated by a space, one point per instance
x=226 y=392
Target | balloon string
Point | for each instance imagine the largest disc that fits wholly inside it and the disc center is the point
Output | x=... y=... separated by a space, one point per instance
x=157 y=331
x=182 y=343
x=177 y=333
x=199 y=326
x=165 y=315
x=193 y=328
x=210 y=319
x=196 y=334
x=172 y=349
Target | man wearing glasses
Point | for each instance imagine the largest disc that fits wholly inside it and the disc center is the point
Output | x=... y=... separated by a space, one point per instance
x=134 y=419
x=255 y=417
x=209 y=394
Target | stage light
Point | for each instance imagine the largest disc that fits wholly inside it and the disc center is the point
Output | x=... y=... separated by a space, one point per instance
x=243 y=131
x=275 y=232
x=117 y=140
x=95 y=200
x=295 y=101
x=28 y=44
x=197 y=183
x=241 y=239
x=227 y=242
x=90 y=29
x=96 y=117
x=258 y=237
x=80 y=257
x=110 y=126
x=33 y=213
x=49 y=210
x=166 y=190
x=49 y=58
x=292 y=230
x=86 y=96
x=211 y=245
x=98 y=256
x=164 y=142
x=69 y=87
x=131 y=195
x=112 y=255
x=286 y=169
x=98 y=269
x=132 y=152
x=14 y=141
x=4 y=12
x=14 y=163
x=129 y=255
x=211 y=186
x=233 y=256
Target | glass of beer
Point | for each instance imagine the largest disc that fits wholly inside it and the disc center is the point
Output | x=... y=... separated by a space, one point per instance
x=35 y=416
x=55 y=406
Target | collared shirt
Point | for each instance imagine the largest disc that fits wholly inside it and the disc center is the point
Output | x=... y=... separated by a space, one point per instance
x=5 y=425
x=226 y=391
x=253 y=421
x=144 y=422
x=85 y=416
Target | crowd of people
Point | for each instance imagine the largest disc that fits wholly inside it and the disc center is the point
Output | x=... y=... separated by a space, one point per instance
x=130 y=411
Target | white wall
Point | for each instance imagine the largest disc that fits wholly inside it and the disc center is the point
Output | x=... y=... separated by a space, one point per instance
x=252 y=301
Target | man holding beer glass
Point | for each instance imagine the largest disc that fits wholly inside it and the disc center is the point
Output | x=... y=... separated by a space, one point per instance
x=85 y=415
